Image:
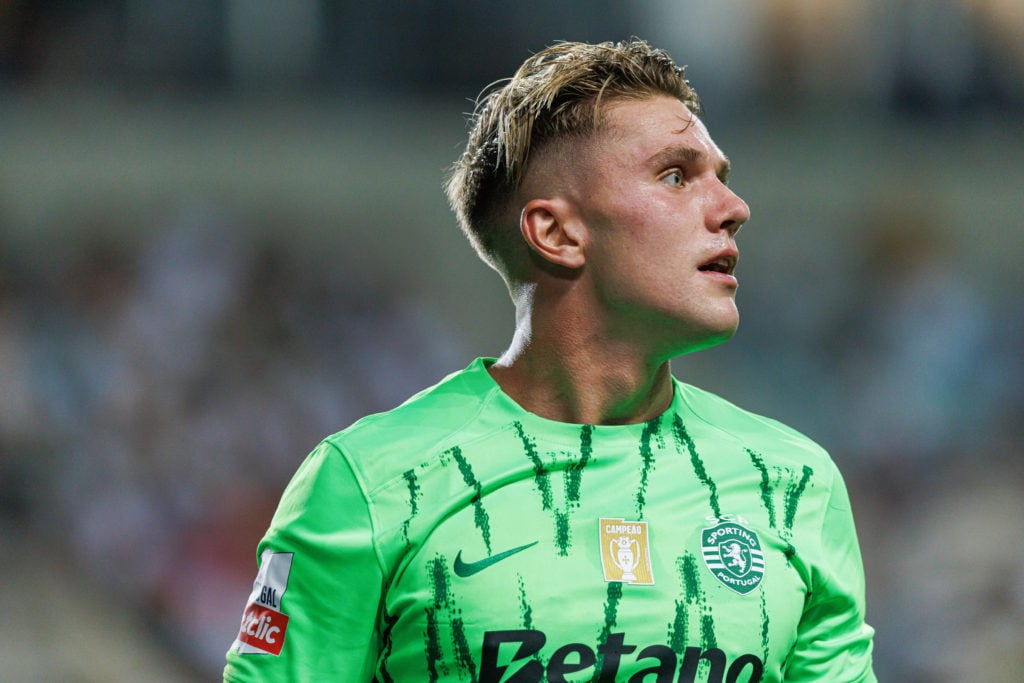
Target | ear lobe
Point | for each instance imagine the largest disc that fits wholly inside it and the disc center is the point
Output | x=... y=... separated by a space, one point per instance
x=552 y=230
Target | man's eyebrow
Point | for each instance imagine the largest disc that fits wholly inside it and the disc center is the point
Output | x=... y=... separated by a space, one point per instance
x=675 y=153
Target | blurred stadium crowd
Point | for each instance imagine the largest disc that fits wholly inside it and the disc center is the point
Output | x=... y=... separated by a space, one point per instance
x=158 y=390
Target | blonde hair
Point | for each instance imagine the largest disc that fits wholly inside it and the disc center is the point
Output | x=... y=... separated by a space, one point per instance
x=555 y=95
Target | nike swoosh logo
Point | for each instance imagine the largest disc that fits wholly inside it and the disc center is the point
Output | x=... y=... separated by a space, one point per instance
x=465 y=569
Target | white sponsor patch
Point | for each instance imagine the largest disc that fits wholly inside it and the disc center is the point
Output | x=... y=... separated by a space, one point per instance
x=263 y=623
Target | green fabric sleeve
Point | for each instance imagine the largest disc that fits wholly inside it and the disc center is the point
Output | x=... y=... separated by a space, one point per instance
x=833 y=641
x=334 y=585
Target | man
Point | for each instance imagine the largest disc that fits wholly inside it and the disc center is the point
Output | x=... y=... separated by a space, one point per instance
x=570 y=511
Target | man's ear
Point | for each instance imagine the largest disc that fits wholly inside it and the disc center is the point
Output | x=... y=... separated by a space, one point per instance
x=553 y=230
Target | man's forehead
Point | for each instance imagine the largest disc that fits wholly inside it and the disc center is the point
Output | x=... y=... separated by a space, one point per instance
x=628 y=111
x=660 y=122
x=639 y=132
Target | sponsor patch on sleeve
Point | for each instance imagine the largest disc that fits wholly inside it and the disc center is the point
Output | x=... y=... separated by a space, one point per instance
x=264 y=625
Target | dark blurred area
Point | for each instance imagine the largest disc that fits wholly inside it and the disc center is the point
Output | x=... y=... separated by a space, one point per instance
x=223 y=237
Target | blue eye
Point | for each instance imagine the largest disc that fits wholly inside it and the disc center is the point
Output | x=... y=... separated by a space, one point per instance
x=675 y=178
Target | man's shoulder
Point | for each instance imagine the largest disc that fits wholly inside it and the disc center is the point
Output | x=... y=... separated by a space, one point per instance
x=758 y=432
x=420 y=425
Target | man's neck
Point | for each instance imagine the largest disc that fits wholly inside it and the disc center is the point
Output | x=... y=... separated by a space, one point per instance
x=563 y=376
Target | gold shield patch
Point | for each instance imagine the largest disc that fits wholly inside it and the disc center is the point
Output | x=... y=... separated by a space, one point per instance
x=625 y=552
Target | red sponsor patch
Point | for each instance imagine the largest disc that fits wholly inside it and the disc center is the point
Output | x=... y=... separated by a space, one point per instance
x=263 y=628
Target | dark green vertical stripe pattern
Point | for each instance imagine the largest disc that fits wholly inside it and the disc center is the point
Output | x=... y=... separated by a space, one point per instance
x=764 y=627
x=574 y=474
x=432 y=637
x=651 y=429
x=767 y=487
x=540 y=472
x=480 y=518
x=444 y=602
x=414 y=496
x=683 y=439
x=793 y=494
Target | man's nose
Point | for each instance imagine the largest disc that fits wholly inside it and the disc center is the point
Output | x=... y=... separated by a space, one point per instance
x=734 y=212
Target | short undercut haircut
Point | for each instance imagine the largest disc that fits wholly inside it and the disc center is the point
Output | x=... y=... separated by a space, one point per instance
x=557 y=94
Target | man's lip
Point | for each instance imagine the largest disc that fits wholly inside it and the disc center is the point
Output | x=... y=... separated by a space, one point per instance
x=723 y=278
x=727 y=259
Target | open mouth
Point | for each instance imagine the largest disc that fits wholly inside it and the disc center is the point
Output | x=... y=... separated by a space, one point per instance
x=723 y=264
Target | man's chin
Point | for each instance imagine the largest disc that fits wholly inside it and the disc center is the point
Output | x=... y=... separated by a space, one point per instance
x=708 y=338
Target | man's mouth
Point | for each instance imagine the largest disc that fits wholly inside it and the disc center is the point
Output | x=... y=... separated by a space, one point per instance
x=722 y=264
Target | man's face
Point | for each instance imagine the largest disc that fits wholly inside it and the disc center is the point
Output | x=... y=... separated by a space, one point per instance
x=661 y=226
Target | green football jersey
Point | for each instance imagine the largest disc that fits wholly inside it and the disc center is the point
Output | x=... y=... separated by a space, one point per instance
x=459 y=537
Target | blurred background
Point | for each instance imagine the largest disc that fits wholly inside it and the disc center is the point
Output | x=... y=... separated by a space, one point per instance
x=223 y=237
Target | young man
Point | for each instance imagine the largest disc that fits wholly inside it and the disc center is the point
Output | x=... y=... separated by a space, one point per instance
x=570 y=511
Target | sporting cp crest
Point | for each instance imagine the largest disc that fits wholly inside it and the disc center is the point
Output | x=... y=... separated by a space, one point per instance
x=733 y=554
